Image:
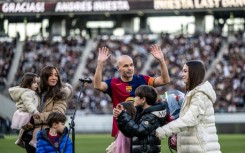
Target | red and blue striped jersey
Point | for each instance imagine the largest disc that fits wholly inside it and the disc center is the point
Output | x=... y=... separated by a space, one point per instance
x=119 y=91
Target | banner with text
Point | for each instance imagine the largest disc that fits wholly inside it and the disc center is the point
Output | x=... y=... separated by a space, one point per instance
x=115 y=6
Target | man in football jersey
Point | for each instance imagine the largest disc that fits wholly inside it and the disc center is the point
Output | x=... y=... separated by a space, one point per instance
x=123 y=87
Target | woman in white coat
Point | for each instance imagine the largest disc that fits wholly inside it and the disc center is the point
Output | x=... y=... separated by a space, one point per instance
x=195 y=127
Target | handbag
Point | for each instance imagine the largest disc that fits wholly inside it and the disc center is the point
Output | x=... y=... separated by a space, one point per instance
x=111 y=148
x=19 y=119
x=172 y=142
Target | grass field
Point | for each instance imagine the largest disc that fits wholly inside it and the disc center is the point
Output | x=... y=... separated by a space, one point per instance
x=96 y=143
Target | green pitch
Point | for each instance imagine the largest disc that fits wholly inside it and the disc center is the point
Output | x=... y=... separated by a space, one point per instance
x=96 y=143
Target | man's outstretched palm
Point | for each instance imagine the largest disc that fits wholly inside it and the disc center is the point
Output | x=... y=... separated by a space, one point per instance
x=157 y=52
x=103 y=54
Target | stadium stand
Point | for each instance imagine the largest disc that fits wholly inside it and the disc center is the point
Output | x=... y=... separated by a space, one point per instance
x=75 y=53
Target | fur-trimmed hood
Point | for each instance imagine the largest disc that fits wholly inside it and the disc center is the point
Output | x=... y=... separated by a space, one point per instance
x=26 y=99
x=67 y=89
x=17 y=92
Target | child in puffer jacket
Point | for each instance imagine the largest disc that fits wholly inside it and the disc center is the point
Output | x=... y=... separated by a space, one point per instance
x=53 y=139
x=150 y=115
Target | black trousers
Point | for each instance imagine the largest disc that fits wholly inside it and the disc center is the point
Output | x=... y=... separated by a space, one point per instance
x=26 y=137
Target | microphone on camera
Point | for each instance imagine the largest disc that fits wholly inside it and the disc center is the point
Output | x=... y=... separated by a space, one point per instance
x=87 y=80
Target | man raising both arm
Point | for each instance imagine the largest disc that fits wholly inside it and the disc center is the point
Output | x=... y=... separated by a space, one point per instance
x=124 y=87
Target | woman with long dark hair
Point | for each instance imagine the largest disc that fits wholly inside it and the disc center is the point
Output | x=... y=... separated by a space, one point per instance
x=53 y=97
x=195 y=127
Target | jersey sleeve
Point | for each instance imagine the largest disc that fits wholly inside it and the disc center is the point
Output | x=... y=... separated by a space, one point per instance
x=149 y=80
x=108 y=82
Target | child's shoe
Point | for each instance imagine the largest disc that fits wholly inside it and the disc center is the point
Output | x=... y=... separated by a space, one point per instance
x=20 y=143
x=33 y=143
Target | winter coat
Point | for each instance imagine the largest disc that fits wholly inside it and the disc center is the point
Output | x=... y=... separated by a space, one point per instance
x=196 y=123
x=142 y=130
x=51 y=105
x=26 y=99
x=44 y=145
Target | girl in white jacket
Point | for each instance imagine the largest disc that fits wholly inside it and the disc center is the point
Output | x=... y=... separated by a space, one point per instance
x=195 y=127
x=25 y=96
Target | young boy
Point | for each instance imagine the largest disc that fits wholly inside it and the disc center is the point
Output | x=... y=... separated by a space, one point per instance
x=52 y=140
x=150 y=115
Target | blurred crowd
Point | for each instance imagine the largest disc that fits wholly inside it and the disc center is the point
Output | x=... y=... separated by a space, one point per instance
x=63 y=54
x=180 y=49
x=227 y=77
x=7 y=50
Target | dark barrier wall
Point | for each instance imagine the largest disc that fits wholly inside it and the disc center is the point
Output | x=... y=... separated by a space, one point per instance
x=230 y=128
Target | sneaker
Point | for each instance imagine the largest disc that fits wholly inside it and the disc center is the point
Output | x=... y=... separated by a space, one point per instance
x=33 y=143
x=20 y=143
